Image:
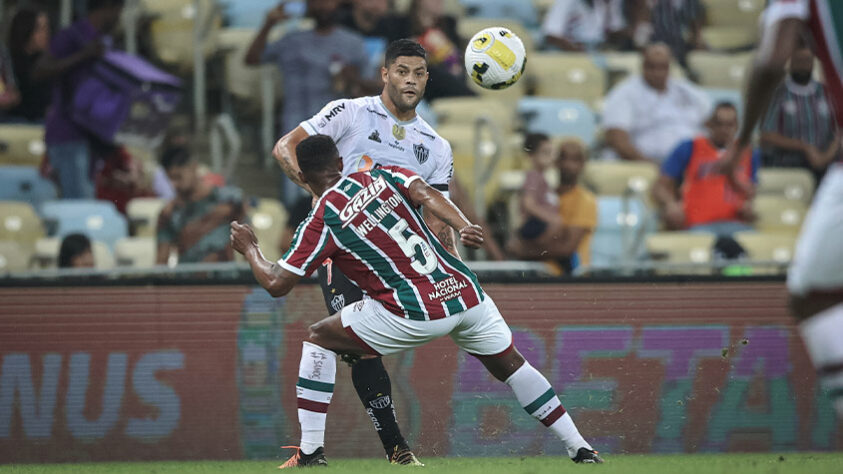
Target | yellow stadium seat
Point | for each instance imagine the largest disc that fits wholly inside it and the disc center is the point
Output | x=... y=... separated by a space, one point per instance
x=791 y=183
x=680 y=247
x=614 y=178
x=779 y=214
x=143 y=215
x=20 y=223
x=466 y=110
x=13 y=256
x=726 y=71
x=775 y=247
x=46 y=254
x=736 y=13
x=729 y=37
x=21 y=145
x=269 y=219
x=136 y=252
x=465 y=149
x=171 y=29
x=567 y=75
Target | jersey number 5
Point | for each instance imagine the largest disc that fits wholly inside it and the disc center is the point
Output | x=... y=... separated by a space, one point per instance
x=410 y=244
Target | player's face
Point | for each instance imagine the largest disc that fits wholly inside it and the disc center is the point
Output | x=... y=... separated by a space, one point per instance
x=405 y=81
x=183 y=179
x=571 y=162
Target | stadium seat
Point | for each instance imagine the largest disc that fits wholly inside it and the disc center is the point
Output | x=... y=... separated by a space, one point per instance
x=735 y=13
x=465 y=110
x=732 y=96
x=767 y=247
x=729 y=38
x=20 y=223
x=103 y=257
x=99 y=220
x=467 y=27
x=779 y=214
x=14 y=257
x=726 y=71
x=791 y=183
x=24 y=183
x=614 y=178
x=22 y=145
x=46 y=254
x=136 y=252
x=171 y=29
x=522 y=11
x=269 y=219
x=681 y=247
x=143 y=215
x=621 y=227
x=559 y=118
x=462 y=139
x=567 y=76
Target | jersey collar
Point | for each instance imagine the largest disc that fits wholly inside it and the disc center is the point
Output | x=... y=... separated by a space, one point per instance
x=399 y=122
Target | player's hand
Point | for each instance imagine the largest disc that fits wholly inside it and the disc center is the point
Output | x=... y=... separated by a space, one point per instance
x=242 y=237
x=472 y=236
x=727 y=165
x=276 y=15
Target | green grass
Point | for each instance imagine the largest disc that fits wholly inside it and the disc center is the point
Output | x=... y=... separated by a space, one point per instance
x=812 y=463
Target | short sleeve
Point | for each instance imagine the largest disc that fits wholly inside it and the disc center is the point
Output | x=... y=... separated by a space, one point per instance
x=556 y=18
x=441 y=177
x=312 y=244
x=675 y=164
x=618 y=112
x=783 y=9
x=585 y=215
x=402 y=178
x=334 y=120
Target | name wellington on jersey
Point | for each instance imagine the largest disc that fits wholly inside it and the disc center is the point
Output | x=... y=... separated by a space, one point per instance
x=362 y=199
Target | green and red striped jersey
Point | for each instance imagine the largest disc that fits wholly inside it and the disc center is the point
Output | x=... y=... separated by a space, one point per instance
x=825 y=19
x=367 y=225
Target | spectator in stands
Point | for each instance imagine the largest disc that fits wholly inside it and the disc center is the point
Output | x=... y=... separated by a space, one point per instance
x=646 y=116
x=319 y=65
x=538 y=204
x=577 y=25
x=121 y=177
x=195 y=224
x=677 y=23
x=29 y=38
x=364 y=16
x=76 y=252
x=800 y=129
x=9 y=95
x=692 y=195
x=568 y=242
x=70 y=56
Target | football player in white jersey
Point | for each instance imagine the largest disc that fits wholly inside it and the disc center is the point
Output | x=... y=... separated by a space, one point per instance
x=379 y=131
x=815 y=278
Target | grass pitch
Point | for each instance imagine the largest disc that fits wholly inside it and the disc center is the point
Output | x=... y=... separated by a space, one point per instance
x=768 y=463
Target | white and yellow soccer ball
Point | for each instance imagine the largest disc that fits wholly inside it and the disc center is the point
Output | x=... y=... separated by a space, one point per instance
x=495 y=58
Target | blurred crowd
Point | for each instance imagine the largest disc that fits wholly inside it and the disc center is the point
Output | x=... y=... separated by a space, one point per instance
x=659 y=115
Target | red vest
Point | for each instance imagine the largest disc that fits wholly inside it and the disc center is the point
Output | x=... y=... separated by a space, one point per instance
x=706 y=194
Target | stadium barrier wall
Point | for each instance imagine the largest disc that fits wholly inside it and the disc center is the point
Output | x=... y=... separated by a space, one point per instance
x=208 y=372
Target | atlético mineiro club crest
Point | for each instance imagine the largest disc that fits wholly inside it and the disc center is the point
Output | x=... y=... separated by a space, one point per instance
x=421 y=152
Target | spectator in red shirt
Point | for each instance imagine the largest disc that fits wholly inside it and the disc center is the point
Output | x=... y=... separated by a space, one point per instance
x=692 y=195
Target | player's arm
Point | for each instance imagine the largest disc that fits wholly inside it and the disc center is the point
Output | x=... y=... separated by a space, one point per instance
x=447 y=216
x=258 y=45
x=285 y=153
x=275 y=279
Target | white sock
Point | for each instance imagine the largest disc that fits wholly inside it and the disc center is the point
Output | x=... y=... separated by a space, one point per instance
x=535 y=394
x=315 y=387
x=823 y=337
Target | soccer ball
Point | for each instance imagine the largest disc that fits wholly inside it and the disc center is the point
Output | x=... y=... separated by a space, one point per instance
x=495 y=58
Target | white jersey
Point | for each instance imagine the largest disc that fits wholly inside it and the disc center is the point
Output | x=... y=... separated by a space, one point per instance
x=368 y=135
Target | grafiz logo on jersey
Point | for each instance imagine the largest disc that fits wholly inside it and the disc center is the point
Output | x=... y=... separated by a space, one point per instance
x=333 y=113
x=361 y=200
x=421 y=153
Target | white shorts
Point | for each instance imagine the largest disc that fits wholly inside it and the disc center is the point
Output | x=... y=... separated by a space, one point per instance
x=818 y=261
x=480 y=330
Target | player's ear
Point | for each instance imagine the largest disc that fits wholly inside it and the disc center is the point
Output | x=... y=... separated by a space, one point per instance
x=384 y=74
x=302 y=178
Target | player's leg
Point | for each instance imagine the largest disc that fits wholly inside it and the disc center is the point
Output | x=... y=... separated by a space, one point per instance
x=815 y=282
x=483 y=333
x=368 y=374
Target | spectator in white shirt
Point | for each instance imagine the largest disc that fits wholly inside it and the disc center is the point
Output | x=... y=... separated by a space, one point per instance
x=646 y=116
x=575 y=25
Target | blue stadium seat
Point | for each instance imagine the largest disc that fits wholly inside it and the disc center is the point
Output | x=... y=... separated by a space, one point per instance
x=619 y=227
x=24 y=183
x=559 y=118
x=251 y=13
x=99 y=220
x=523 y=11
